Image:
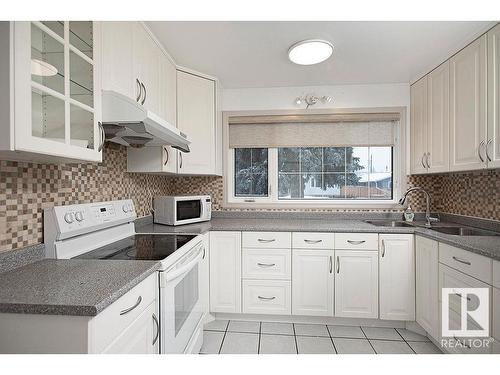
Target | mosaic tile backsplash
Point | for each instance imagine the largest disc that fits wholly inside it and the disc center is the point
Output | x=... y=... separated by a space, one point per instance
x=27 y=188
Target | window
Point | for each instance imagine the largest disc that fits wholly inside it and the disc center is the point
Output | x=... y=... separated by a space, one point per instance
x=356 y=161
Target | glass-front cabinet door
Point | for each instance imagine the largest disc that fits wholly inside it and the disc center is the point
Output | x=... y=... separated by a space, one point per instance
x=57 y=90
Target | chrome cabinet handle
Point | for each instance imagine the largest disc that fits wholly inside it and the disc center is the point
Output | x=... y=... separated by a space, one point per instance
x=102 y=136
x=145 y=94
x=166 y=155
x=263 y=240
x=338 y=264
x=422 y=161
x=461 y=261
x=427 y=160
x=266 y=264
x=331 y=263
x=126 y=311
x=479 y=151
x=464 y=343
x=180 y=159
x=204 y=253
x=356 y=242
x=138 y=98
x=313 y=241
x=266 y=298
x=383 y=248
x=460 y=296
x=155 y=319
x=487 y=149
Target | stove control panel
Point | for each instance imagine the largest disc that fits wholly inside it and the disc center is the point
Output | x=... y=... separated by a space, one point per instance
x=72 y=220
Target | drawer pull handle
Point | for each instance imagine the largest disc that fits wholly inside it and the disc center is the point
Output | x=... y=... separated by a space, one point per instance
x=266 y=241
x=126 y=311
x=462 y=343
x=356 y=242
x=266 y=298
x=266 y=264
x=313 y=241
x=460 y=296
x=157 y=325
x=461 y=261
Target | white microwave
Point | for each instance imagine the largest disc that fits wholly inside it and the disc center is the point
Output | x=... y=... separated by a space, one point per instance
x=178 y=210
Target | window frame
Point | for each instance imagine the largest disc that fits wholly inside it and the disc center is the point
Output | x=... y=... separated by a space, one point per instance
x=272 y=201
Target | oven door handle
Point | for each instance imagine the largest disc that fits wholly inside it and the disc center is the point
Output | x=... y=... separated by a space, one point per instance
x=174 y=274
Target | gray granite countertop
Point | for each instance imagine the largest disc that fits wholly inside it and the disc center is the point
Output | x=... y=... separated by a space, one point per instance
x=485 y=245
x=70 y=287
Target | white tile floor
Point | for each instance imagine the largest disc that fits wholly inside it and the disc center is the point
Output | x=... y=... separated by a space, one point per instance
x=241 y=337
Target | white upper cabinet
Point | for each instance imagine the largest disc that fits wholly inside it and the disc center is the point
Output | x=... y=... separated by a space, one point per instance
x=197 y=117
x=418 y=102
x=356 y=284
x=53 y=72
x=312 y=282
x=468 y=107
x=438 y=89
x=493 y=142
x=397 y=277
x=427 y=284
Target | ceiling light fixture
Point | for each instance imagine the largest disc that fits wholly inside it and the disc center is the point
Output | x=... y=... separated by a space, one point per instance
x=311 y=99
x=310 y=52
x=42 y=68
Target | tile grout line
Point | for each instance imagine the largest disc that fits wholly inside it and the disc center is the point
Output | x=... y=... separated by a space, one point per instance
x=331 y=339
x=405 y=341
x=295 y=338
x=362 y=330
x=223 y=337
x=260 y=333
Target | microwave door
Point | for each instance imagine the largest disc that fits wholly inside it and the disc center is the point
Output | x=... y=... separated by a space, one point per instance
x=187 y=210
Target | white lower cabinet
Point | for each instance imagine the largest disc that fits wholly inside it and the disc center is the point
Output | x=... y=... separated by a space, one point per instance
x=397 y=277
x=267 y=297
x=496 y=315
x=225 y=272
x=356 y=284
x=312 y=282
x=427 y=284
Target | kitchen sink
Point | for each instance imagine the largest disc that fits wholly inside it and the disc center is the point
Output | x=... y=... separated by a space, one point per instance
x=465 y=231
x=388 y=223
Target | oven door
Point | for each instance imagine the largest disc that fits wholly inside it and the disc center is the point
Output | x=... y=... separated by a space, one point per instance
x=189 y=210
x=181 y=305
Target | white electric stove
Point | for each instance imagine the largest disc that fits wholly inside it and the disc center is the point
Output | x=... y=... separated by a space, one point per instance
x=106 y=231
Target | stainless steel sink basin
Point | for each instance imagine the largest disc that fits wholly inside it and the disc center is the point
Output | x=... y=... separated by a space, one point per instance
x=465 y=231
x=388 y=223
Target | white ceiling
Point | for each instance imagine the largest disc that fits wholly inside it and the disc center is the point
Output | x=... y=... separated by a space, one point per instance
x=254 y=54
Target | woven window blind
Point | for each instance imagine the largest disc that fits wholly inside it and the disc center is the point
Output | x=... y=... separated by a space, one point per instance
x=339 y=130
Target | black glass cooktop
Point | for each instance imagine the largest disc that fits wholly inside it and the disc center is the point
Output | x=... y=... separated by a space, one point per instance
x=140 y=247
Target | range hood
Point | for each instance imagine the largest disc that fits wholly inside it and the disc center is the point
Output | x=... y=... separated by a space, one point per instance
x=130 y=124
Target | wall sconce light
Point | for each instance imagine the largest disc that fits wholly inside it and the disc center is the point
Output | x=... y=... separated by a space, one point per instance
x=311 y=99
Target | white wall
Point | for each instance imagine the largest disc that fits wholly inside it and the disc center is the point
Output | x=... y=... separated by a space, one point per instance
x=346 y=96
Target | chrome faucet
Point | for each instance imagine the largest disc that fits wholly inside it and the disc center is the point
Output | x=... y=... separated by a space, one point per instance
x=428 y=217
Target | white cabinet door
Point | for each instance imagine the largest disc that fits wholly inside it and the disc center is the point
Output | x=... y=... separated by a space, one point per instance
x=168 y=90
x=117 y=58
x=196 y=118
x=418 y=123
x=225 y=272
x=493 y=142
x=397 y=277
x=312 y=282
x=205 y=274
x=427 y=284
x=438 y=90
x=356 y=284
x=146 y=60
x=141 y=337
x=468 y=107
x=496 y=314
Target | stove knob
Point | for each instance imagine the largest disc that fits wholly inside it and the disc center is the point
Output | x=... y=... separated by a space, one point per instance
x=125 y=208
x=79 y=216
x=69 y=217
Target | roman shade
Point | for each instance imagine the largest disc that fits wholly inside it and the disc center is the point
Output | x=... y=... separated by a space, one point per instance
x=338 y=130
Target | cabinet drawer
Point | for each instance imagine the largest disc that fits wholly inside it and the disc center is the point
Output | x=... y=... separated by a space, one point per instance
x=496 y=273
x=469 y=263
x=356 y=241
x=450 y=278
x=313 y=240
x=269 y=240
x=114 y=319
x=267 y=264
x=267 y=297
